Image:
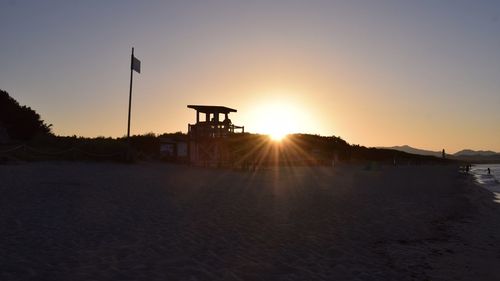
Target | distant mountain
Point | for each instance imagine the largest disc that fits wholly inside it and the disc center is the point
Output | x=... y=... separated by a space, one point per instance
x=474 y=156
x=469 y=152
x=412 y=150
x=479 y=156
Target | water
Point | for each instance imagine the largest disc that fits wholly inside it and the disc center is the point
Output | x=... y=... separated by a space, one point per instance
x=489 y=181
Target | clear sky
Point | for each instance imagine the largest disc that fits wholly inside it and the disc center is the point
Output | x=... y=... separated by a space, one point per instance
x=376 y=73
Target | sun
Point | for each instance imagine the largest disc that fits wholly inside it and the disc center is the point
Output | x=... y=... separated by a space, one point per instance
x=277 y=136
x=278 y=119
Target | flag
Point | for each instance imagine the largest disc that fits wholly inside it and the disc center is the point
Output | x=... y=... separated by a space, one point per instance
x=136 y=64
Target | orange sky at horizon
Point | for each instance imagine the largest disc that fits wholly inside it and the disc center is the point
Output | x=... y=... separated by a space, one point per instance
x=314 y=102
x=375 y=74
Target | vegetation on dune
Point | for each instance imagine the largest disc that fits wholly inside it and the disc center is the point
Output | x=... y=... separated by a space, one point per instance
x=307 y=149
x=20 y=121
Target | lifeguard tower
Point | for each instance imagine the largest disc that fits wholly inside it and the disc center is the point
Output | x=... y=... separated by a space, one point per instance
x=207 y=137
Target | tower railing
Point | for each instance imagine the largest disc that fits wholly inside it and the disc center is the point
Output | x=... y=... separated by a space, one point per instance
x=213 y=129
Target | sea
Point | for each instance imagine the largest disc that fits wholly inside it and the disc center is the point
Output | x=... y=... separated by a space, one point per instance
x=489 y=181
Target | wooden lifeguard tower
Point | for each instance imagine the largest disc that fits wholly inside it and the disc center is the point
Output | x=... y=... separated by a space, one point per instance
x=207 y=137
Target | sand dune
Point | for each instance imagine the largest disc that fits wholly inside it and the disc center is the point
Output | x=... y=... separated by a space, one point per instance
x=90 y=221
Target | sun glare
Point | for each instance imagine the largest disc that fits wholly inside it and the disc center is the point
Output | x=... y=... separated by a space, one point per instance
x=278 y=119
x=277 y=136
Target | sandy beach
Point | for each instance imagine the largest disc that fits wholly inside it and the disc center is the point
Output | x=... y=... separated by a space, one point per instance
x=156 y=221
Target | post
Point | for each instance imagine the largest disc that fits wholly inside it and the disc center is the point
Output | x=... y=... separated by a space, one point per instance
x=130 y=103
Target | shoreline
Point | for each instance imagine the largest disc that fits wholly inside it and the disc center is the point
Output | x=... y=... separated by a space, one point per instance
x=490 y=182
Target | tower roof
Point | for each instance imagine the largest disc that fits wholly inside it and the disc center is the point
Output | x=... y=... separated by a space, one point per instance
x=212 y=109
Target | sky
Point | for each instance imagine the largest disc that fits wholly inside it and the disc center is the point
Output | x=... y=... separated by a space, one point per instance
x=376 y=73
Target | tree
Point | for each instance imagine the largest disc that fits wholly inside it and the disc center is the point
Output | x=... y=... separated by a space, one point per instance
x=20 y=122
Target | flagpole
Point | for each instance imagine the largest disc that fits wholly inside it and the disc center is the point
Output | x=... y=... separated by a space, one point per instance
x=130 y=102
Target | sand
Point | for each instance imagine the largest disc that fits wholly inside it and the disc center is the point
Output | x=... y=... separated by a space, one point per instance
x=156 y=221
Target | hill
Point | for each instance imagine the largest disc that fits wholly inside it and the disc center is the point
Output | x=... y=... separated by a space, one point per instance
x=469 y=152
x=468 y=155
x=412 y=150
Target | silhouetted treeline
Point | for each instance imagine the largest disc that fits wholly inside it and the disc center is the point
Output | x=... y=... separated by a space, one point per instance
x=50 y=147
x=20 y=121
x=306 y=149
x=296 y=149
x=22 y=124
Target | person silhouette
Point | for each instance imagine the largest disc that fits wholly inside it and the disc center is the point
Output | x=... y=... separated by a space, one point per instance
x=489 y=171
